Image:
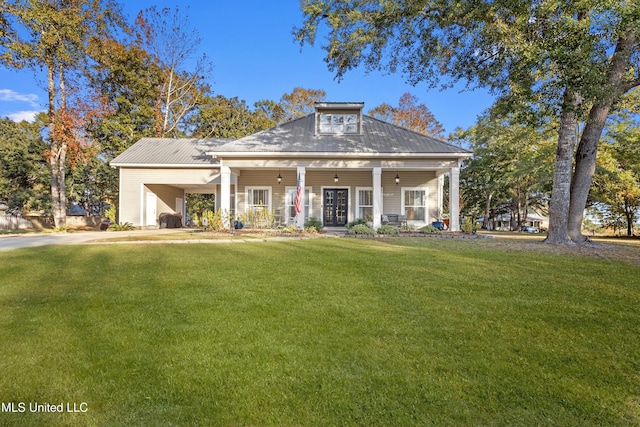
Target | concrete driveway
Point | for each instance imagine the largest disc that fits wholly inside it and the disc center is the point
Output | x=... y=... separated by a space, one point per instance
x=17 y=241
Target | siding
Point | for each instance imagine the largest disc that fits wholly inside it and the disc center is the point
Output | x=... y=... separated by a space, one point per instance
x=133 y=180
x=319 y=179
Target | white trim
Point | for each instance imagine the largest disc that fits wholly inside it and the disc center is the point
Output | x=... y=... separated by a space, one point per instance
x=426 y=204
x=246 y=196
x=349 y=204
x=357 y=202
x=164 y=165
x=308 y=192
x=337 y=154
x=142 y=204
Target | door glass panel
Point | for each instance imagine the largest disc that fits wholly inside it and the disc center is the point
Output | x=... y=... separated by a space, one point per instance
x=341 y=207
x=328 y=207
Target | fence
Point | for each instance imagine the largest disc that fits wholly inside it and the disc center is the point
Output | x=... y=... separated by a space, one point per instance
x=15 y=222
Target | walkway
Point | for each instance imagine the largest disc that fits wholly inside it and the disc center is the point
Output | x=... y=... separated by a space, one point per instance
x=16 y=241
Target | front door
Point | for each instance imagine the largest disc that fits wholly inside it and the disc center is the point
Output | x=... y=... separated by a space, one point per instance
x=335 y=207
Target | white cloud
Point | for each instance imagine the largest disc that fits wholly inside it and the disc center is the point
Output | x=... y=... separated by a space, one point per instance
x=24 y=115
x=11 y=95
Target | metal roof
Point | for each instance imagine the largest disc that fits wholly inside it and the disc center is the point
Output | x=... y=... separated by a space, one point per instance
x=297 y=137
x=377 y=137
x=179 y=152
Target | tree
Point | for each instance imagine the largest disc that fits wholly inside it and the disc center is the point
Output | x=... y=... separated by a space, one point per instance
x=410 y=114
x=53 y=35
x=300 y=102
x=509 y=171
x=23 y=168
x=557 y=55
x=270 y=110
x=125 y=82
x=220 y=117
x=166 y=36
x=616 y=187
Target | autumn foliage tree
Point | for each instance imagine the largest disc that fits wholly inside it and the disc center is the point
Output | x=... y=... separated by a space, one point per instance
x=53 y=35
x=410 y=114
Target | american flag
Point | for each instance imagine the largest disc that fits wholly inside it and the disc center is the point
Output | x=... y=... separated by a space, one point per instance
x=298 y=203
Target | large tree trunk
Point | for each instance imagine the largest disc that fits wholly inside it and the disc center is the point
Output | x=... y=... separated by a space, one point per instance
x=588 y=147
x=561 y=191
x=59 y=219
x=585 y=168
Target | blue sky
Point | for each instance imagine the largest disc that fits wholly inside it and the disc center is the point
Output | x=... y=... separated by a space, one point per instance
x=255 y=57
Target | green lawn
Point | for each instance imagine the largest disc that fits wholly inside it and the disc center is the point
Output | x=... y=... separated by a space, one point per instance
x=320 y=332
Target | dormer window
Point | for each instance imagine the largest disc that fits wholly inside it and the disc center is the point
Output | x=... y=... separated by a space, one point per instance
x=338 y=123
x=338 y=117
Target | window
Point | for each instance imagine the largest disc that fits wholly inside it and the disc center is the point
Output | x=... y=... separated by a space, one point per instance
x=290 y=204
x=364 y=205
x=414 y=203
x=338 y=123
x=258 y=198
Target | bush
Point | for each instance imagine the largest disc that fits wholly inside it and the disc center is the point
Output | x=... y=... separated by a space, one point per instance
x=124 y=226
x=362 y=229
x=290 y=229
x=429 y=229
x=311 y=230
x=358 y=221
x=388 y=229
x=258 y=218
x=469 y=226
x=215 y=221
x=315 y=223
x=111 y=214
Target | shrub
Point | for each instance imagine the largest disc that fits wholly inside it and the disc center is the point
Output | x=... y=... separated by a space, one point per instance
x=215 y=221
x=258 y=218
x=429 y=229
x=408 y=227
x=311 y=230
x=315 y=223
x=388 y=229
x=290 y=229
x=110 y=214
x=469 y=226
x=362 y=229
x=124 y=226
x=358 y=221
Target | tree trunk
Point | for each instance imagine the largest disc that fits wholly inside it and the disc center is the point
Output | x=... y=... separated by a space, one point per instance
x=629 y=213
x=561 y=190
x=585 y=168
x=588 y=147
x=54 y=149
x=487 y=211
x=63 y=146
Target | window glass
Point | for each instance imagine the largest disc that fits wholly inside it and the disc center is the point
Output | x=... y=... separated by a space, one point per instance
x=338 y=123
x=415 y=205
x=258 y=198
x=365 y=204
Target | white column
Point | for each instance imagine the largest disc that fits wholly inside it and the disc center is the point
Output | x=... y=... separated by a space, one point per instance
x=225 y=190
x=454 y=199
x=440 y=196
x=300 y=218
x=377 y=198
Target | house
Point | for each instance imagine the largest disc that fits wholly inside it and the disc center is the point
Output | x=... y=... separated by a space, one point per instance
x=350 y=166
x=503 y=222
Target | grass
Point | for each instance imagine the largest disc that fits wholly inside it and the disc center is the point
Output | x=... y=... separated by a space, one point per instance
x=326 y=332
